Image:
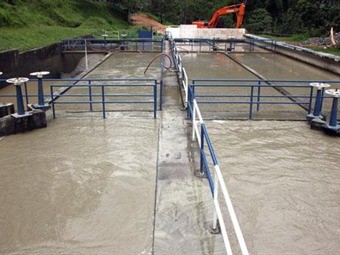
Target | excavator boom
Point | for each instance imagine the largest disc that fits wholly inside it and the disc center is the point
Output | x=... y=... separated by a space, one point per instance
x=237 y=8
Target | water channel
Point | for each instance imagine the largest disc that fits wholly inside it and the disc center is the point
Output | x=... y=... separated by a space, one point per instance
x=88 y=185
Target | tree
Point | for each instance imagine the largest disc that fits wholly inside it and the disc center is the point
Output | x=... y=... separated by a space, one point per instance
x=259 y=21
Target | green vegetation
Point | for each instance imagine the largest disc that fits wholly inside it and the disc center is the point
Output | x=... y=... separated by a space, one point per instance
x=313 y=17
x=333 y=50
x=27 y=24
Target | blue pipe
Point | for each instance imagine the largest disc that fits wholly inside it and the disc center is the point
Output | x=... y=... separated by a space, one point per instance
x=41 y=100
x=334 y=113
x=20 y=103
x=318 y=103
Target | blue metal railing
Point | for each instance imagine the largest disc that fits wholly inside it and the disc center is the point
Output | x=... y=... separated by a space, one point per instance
x=104 y=97
x=215 y=178
x=123 y=44
x=294 y=92
x=148 y=94
x=249 y=44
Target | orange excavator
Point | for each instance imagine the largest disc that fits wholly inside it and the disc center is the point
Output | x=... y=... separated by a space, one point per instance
x=239 y=9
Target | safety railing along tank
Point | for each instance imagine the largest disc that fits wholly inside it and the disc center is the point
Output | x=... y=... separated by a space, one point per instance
x=182 y=74
x=105 y=98
x=62 y=86
x=202 y=136
x=291 y=92
x=152 y=45
x=227 y=45
x=215 y=178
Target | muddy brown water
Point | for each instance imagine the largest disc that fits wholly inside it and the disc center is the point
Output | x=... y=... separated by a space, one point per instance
x=85 y=185
x=269 y=65
x=80 y=186
x=283 y=179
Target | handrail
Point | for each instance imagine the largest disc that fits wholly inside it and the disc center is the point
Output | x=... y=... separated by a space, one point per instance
x=295 y=92
x=182 y=74
x=103 y=95
x=200 y=133
x=68 y=44
x=217 y=183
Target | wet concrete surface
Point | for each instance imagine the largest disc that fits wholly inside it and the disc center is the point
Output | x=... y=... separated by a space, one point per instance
x=183 y=204
x=284 y=181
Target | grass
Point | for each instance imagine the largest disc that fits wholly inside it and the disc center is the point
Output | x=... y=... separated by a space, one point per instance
x=35 y=23
x=333 y=50
x=29 y=38
x=292 y=39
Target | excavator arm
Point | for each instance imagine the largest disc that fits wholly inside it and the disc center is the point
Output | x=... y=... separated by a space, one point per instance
x=239 y=9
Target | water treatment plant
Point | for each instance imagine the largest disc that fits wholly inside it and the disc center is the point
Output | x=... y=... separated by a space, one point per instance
x=201 y=142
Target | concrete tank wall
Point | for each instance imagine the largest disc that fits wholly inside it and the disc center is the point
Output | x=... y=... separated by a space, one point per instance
x=322 y=60
x=13 y=63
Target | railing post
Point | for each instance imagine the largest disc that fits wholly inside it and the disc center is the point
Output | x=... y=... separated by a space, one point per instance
x=201 y=171
x=310 y=100
x=251 y=102
x=90 y=96
x=258 y=95
x=52 y=103
x=193 y=122
x=161 y=95
x=215 y=225
x=103 y=102
x=155 y=100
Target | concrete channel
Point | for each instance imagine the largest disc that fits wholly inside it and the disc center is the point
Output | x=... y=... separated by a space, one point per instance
x=126 y=184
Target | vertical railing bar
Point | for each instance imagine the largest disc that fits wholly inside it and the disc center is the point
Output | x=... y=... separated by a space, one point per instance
x=52 y=102
x=103 y=102
x=258 y=95
x=251 y=102
x=90 y=96
x=202 y=150
x=155 y=100
x=310 y=100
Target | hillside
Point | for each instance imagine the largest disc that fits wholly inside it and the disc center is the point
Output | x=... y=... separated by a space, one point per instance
x=26 y=24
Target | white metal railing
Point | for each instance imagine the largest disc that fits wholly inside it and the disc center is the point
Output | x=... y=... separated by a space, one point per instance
x=185 y=84
x=200 y=133
x=182 y=74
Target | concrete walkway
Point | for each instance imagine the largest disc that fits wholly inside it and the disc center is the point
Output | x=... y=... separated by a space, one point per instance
x=183 y=201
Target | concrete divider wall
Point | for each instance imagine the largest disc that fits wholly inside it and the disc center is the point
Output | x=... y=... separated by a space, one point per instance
x=322 y=60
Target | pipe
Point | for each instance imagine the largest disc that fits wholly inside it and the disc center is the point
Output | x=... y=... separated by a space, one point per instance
x=161 y=54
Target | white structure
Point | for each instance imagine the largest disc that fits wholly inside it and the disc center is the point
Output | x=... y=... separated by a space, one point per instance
x=191 y=31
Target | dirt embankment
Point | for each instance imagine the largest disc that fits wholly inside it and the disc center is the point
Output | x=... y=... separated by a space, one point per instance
x=324 y=42
x=145 y=21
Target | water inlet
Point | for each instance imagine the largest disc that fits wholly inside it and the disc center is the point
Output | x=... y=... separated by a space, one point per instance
x=333 y=128
x=41 y=101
